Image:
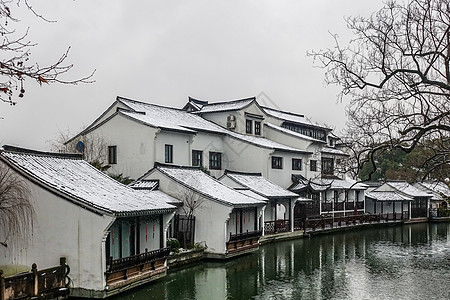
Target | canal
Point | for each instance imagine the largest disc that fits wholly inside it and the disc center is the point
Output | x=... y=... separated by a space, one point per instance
x=400 y=262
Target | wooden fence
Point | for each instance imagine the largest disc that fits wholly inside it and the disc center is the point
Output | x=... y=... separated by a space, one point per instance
x=327 y=221
x=45 y=284
x=146 y=264
x=243 y=241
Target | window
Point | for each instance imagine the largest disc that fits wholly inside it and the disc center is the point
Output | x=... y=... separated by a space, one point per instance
x=313 y=165
x=327 y=166
x=296 y=164
x=169 y=153
x=277 y=162
x=215 y=160
x=248 y=126
x=257 y=128
x=197 y=158
x=112 y=155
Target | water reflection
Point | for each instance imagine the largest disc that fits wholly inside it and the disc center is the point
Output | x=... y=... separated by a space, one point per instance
x=402 y=262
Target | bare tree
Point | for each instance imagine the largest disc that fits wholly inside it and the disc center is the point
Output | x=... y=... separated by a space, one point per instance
x=396 y=71
x=16 y=65
x=16 y=210
x=93 y=149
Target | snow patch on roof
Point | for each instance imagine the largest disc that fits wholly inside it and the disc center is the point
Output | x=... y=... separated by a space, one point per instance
x=408 y=189
x=180 y=120
x=291 y=117
x=226 y=106
x=260 y=185
x=387 y=196
x=79 y=180
x=293 y=133
x=333 y=151
x=199 y=181
x=324 y=184
x=436 y=188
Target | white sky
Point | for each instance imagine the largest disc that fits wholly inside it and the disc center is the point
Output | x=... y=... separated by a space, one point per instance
x=164 y=51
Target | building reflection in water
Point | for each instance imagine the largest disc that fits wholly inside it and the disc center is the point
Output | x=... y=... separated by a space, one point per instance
x=380 y=263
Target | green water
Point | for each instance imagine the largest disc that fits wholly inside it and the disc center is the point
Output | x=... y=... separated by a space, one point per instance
x=402 y=262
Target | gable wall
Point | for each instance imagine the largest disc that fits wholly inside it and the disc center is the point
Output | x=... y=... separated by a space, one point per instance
x=211 y=216
x=135 y=145
x=78 y=238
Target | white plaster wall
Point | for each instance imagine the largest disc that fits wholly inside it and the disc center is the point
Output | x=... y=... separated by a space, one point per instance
x=150 y=235
x=63 y=229
x=220 y=118
x=282 y=176
x=208 y=142
x=135 y=145
x=245 y=157
x=181 y=147
x=211 y=216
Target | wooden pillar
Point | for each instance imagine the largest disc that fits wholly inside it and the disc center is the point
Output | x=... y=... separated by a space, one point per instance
x=291 y=216
x=256 y=219
x=161 y=231
x=35 y=280
x=276 y=217
x=138 y=235
x=240 y=220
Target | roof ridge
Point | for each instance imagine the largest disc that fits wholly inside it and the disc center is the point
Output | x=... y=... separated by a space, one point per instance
x=15 y=149
x=241 y=173
x=231 y=101
x=149 y=104
x=163 y=165
x=283 y=111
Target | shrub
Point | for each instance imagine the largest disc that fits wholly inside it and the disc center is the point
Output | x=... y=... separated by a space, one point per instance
x=174 y=245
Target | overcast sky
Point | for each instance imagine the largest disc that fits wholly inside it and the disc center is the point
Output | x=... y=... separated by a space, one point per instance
x=164 y=51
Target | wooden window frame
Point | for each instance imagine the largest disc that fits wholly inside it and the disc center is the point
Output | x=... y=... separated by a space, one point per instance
x=112 y=155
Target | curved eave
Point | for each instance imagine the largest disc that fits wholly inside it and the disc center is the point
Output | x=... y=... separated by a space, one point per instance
x=139 y=213
x=229 y=204
x=100 y=210
x=294 y=134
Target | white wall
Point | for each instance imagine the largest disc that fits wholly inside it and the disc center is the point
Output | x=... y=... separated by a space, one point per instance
x=135 y=145
x=63 y=229
x=181 y=147
x=211 y=216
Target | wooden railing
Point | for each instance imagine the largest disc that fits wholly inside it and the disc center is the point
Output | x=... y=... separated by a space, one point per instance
x=277 y=226
x=46 y=283
x=147 y=263
x=243 y=241
x=328 y=221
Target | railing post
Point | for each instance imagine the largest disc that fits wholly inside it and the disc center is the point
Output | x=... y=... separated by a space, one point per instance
x=2 y=286
x=35 y=279
x=62 y=263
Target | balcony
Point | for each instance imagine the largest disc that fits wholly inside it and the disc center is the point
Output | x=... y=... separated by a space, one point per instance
x=243 y=241
x=277 y=226
x=141 y=266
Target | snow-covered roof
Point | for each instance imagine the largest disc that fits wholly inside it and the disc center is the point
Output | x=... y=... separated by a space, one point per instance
x=226 y=105
x=83 y=184
x=324 y=184
x=198 y=181
x=252 y=194
x=291 y=117
x=293 y=133
x=333 y=151
x=387 y=196
x=436 y=188
x=144 y=185
x=167 y=117
x=408 y=189
x=260 y=185
x=180 y=120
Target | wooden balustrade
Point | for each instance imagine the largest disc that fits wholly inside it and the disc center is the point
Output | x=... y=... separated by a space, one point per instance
x=243 y=241
x=327 y=221
x=45 y=283
x=146 y=264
